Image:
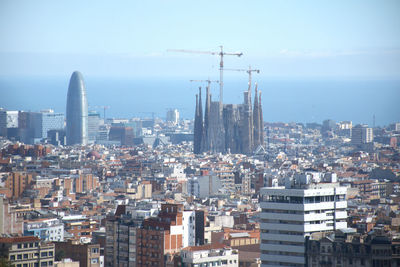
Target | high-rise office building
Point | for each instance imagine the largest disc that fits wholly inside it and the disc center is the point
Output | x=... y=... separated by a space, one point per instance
x=361 y=134
x=8 y=119
x=51 y=121
x=29 y=127
x=173 y=116
x=77 y=111
x=312 y=202
x=93 y=126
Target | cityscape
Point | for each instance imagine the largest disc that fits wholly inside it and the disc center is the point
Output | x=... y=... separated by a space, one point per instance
x=206 y=159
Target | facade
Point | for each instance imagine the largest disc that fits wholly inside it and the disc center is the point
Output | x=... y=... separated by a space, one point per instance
x=121 y=134
x=77 y=111
x=312 y=202
x=8 y=119
x=120 y=247
x=11 y=218
x=160 y=237
x=17 y=182
x=80 y=227
x=45 y=229
x=93 y=126
x=228 y=128
x=51 y=121
x=27 y=251
x=361 y=134
x=189 y=228
x=209 y=255
x=88 y=255
x=29 y=127
x=347 y=248
x=173 y=116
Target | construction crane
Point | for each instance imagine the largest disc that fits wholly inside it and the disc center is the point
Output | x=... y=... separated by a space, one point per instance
x=207 y=81
x=249 y=71
x=221 y=64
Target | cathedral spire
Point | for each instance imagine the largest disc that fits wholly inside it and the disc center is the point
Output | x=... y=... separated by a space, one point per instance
x=197 y=131
x=261 y=122
x=256 y=120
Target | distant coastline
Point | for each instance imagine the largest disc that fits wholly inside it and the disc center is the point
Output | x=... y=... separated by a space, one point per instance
x=285 y=100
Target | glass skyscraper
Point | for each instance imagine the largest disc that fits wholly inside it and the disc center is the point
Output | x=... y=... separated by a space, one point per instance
x=51 y=121
x=77 y=111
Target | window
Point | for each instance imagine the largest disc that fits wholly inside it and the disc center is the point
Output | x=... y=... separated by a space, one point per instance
x=95 y=260
x=19 y=257
x=25 y=256
x=12 y=258
x=19 y=246
x=50 y=253
x=43 y=254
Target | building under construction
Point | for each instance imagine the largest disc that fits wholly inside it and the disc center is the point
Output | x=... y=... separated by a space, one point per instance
x=228 y=128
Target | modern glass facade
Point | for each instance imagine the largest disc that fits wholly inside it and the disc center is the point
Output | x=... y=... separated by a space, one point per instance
x=77 y=111
x=51 y=121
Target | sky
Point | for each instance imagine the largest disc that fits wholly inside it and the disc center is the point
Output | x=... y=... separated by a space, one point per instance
x=359 y=38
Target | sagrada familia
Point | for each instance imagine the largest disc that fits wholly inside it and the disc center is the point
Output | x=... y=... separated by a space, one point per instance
x=228 y=128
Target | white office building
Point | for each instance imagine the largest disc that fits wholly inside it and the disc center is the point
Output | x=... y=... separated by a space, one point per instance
x=361 y=134
x=173 y=116
x=189 y=230
x=209 y=255
x=45 y=229
x=310 y=202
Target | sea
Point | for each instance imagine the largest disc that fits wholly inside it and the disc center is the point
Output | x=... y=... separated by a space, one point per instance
x=283 y=99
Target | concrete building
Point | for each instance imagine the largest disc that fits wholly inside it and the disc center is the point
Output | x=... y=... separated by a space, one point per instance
x=311 y=202
x=29 y=127
x=209 y=255
x=173 y=116
x=120 y=249
x=8 y=119
x=203 y=186
x=27 y=251
x=189 y=228
x=45 y=229
x=77 y=111
x=361 y=134
x=11 y=217
x=347 y=248
x=88 y=255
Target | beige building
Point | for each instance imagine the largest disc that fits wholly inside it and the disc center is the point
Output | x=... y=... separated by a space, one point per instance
x=27 y=251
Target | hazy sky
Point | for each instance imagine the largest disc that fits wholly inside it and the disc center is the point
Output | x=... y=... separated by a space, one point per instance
x=130 y=38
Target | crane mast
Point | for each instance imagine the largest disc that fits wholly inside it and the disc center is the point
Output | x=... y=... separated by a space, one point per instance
x=221 y=53
x=249 y=71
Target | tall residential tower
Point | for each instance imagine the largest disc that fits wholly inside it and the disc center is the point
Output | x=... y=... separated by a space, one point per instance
x=77 y=111
x=311 y=202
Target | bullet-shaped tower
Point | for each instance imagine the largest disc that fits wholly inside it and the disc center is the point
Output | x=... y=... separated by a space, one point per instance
x=77 y=111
